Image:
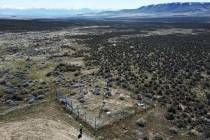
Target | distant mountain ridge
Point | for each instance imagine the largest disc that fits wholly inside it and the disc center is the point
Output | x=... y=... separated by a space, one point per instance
x=42 y=12
x=197 y=9
x=176 y=7
x=163 y=10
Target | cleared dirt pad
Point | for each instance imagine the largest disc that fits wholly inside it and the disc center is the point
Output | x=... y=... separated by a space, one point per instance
x=39 y=129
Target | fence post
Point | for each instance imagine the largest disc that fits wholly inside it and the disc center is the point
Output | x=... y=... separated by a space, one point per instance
x=66 y=100
x=122 y=114
x=72 y=108
x=71 y=105
x=78 y=113
x=85 y=116
x=95 y=125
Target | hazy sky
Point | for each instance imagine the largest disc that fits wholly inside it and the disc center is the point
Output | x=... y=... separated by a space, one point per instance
x=77 y=4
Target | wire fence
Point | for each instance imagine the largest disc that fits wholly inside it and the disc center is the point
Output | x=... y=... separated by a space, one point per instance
x=94 y=122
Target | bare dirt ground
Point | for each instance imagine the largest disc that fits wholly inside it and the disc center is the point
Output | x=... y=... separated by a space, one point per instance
x=42 y=122
x=39 y=129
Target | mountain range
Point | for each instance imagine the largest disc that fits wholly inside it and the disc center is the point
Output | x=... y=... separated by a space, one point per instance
x=160 y=10
x=176 y=7
x=163 y=10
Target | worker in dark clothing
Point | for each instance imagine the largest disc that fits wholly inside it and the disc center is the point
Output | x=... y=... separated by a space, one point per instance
x=80 y=130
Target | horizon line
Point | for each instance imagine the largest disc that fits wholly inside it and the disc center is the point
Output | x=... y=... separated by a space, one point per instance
x=99 y=9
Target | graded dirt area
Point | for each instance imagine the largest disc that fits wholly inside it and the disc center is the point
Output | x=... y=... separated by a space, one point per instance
x=39 y=129
x=43 y=122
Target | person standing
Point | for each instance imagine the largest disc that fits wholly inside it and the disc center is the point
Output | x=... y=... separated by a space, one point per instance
x=80 y=130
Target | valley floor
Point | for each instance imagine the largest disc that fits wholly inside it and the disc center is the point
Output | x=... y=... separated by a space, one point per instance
x=122 y=80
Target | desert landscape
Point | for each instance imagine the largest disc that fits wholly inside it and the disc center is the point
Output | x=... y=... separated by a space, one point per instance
x=122 y=80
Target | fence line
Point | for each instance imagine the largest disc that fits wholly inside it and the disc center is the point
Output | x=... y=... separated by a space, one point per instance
x=69 y=105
